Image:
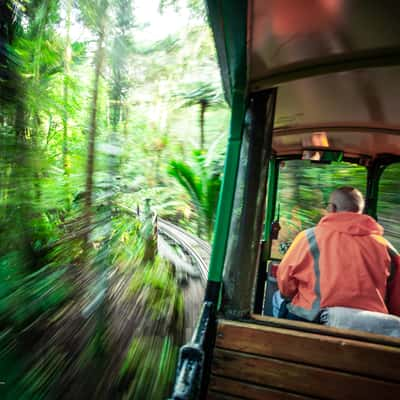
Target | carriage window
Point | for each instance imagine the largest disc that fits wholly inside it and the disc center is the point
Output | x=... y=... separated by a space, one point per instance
x=303 y=193
x=388 y=203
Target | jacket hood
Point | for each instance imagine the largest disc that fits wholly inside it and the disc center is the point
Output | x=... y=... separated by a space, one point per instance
x=351 y=223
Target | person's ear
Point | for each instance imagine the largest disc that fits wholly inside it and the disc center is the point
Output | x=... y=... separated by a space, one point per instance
x=332 y=207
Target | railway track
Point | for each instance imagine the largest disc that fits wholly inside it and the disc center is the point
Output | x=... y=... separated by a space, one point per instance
x=196 y=249
x=191 y=257
x=196 y=253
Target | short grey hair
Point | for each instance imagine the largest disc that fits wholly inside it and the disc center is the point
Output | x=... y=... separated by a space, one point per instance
x=347 y=198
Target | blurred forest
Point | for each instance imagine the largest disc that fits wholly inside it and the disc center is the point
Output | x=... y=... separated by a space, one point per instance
x=303 y=195
x=96 y=116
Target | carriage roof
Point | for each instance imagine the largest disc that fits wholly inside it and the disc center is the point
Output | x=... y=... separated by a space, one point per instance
x=336 y=64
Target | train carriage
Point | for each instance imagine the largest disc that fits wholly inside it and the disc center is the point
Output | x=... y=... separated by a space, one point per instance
x=308 y=81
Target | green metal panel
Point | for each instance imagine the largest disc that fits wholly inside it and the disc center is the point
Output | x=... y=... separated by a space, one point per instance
x=271 y=198
x=225 y=203
x=228 y=22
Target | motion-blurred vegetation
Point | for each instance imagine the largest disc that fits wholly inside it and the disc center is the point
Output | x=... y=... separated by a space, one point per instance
x=96 y=116
x=303 y=194
x=89 y=123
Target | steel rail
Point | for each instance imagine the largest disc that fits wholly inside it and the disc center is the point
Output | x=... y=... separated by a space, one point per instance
x=198 y=250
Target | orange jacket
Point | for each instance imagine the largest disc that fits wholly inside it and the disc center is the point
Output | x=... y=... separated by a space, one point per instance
x=343 y=261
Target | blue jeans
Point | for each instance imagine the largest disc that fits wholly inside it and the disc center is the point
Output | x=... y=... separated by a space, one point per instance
x=280 y=310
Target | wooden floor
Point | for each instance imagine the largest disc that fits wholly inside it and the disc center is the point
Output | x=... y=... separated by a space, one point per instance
x=256 y=361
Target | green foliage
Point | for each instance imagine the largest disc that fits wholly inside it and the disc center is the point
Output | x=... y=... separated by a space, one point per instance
x=389 y=190
x=205 y=95
x=303 y=192
x=196 y=7
x=156 y=365
x=93 y=13
x=157 y=289
x=64 y=258
x=36 y=383
x=202 y=182
x=27 y=297
x=201 y=92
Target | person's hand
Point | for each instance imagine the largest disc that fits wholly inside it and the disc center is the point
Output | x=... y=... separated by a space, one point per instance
x=283 y=247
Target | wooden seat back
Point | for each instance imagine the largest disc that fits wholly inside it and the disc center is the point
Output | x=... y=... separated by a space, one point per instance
x=254 y=361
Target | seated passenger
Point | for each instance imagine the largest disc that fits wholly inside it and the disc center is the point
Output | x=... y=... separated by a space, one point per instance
x=342 y=262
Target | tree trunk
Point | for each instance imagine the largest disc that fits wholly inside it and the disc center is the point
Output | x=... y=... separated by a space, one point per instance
x=67 y=66
x=203 y=107
x=92 y=137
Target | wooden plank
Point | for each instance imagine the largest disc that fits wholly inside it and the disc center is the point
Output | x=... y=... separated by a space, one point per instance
x=211 y=395
x=325 y=330
x=349 y=355
x=302 y=379
x=249 y=391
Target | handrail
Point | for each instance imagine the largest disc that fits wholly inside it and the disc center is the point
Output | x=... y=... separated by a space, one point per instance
x=194 y=358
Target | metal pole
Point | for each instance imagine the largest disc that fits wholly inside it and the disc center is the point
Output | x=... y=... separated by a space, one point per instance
x=225 y=203
x=243 y=249
x=266 y=242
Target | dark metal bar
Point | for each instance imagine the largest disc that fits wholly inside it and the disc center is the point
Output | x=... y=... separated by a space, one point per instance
x=194 y=358
x=212 y=291
x=266 y=243
x=245 y=233
x=332 y=64
x=375 y=171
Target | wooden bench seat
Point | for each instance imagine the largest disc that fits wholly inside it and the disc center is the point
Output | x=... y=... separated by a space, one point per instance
x=255 y=361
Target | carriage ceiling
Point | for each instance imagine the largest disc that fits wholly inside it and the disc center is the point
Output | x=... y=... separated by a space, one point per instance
x=351 y=47
x=336 y=64
x=355 y=111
